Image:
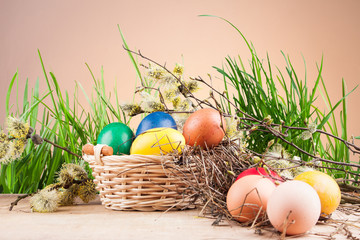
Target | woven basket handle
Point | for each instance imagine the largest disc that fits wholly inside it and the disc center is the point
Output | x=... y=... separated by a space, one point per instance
x=97 y=153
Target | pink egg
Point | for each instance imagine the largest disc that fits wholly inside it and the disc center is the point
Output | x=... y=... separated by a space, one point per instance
x=248 y=196
x=294 y=206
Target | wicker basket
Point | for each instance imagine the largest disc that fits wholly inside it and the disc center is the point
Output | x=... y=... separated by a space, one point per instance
x=141 y=182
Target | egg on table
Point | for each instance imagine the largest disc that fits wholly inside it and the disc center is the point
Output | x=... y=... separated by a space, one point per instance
x=326 y=187
x=294 y=207
x=205 y=128
x=156 y=120
x=248 y=197
x=118 y=136
x=158 y=141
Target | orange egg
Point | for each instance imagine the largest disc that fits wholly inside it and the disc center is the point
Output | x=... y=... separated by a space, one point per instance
x=204 y=128
x=326 y=187
x=294 y=206
x=247 y=195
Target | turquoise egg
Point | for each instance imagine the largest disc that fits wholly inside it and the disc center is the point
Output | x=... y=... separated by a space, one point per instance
x=118 y=136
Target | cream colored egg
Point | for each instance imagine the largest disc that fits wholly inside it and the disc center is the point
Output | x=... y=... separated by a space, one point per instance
x=294 y=207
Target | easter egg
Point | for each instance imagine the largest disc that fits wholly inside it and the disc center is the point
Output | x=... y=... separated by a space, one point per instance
x=156 y=120
x=248 y=197
x=326 y=187
x=158 y=141
x=118 y=136
x=273 y=176
x=204 y=128
x=294 y=207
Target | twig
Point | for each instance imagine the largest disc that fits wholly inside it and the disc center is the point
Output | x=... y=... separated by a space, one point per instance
x=286 y=224
x=222 y=95
x=318 y=158
x=14 y=203
x=343 y=170
x=63 y=148
x=350 y=199
x=347 y=187
x=348 y=144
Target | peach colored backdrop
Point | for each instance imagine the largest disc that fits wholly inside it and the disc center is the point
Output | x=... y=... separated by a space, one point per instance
x=70 y=33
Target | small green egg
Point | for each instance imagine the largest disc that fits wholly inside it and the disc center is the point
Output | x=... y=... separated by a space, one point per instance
x=118 y=136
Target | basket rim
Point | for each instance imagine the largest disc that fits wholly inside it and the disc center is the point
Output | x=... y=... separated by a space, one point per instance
x=134 y=158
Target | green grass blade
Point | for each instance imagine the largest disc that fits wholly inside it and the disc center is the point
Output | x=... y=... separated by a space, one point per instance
x=131 y=56
x=7 y=103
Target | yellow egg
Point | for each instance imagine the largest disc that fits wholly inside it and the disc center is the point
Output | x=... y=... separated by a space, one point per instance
x=158 y=141
x=326 y=187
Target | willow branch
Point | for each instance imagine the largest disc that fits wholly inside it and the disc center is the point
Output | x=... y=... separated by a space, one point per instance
x=14 y=203
x=348 y=144
x=222 y=95
x=318 y=158
x=300 y=162
x=164 y=67
x=162 y=100
x=339 y=169
x=63 y=148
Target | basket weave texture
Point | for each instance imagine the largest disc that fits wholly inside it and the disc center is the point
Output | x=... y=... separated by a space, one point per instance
x=141 y=182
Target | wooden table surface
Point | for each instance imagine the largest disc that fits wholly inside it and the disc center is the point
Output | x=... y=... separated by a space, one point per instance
x=93 y=221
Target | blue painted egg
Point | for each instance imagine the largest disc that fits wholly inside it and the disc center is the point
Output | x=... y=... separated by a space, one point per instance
x=156 y=120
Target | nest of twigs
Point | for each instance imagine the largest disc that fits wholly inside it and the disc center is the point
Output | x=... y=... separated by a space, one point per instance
x=217 y=169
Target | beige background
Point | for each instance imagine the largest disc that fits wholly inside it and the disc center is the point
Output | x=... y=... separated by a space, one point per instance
x=70 y=33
